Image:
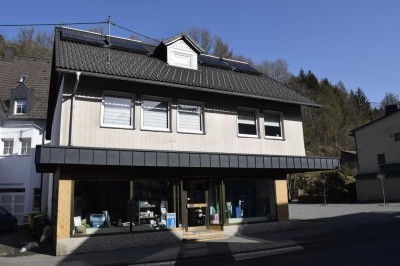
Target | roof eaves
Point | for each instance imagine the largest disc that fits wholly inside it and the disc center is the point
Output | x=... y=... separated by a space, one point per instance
x=187 y=87
x=371 y=122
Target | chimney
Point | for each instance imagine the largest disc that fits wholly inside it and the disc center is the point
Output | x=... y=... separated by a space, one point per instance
x=390 y=109
x=9 y=53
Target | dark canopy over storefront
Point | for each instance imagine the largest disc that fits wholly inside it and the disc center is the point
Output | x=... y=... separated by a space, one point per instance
x=48 y=158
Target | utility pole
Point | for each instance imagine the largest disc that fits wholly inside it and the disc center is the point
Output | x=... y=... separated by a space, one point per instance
x=109 y=39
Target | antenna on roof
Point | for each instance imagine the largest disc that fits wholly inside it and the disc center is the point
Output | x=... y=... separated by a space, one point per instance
x=108 y=37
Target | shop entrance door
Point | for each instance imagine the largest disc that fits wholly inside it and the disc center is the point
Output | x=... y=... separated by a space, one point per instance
x=196 y=204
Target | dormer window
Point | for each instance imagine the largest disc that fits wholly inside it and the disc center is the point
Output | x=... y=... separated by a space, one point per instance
x=181 y=51
x=20 y=106
x=183 y=60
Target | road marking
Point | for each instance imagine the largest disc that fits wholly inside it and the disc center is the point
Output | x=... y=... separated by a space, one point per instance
x=265 y=253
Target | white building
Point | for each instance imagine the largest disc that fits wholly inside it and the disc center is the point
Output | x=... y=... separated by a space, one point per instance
x=24 y=85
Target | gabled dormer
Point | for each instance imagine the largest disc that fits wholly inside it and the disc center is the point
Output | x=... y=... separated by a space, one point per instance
x=179 y=50
x=21 y=100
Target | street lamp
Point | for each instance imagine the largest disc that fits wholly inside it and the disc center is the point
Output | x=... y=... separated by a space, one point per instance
x=381 y=176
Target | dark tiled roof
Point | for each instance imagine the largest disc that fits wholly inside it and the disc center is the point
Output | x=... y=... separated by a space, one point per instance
x=185 y=35
x=81 y=56
x=372 y=122
x=39 y=81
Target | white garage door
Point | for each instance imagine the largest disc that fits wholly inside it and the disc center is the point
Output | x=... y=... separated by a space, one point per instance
x=14 y=203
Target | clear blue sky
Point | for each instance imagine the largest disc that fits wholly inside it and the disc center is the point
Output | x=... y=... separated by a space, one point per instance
x=355 y=41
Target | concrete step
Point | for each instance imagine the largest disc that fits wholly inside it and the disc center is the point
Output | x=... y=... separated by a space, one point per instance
x=204 y=235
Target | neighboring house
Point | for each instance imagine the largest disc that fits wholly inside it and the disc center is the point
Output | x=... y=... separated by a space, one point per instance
x=378 y=151
x=24 y=87
x=163 y=140
x=348 y=162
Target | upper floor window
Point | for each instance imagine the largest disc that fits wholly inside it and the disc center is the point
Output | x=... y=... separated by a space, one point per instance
x=156 y=113
x=190 y=117
x=20 y=106
x=397 y=136
x=117 y=110
x=8 y=145
x=381 y=158
x=273 y=125
x=25 y=146
x=247 y=122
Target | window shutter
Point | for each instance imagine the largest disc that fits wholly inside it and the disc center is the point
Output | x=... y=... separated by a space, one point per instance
x=190 y=118
x=155 y=114
x=247 y=117
x=272 y=120
x=117 y=110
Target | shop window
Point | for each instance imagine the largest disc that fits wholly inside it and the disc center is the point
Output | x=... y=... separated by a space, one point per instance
x=247 y=123
x=101 y=207
x=156 y=205
x=273 y=125
x=249 y=200
x=117 y=110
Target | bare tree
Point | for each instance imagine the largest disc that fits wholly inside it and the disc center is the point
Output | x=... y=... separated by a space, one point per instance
x=277 y=70
x=202 y=37
x=389 y=99
x=221 y=48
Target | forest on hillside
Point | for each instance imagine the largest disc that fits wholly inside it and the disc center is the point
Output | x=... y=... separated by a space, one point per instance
x=326 y=129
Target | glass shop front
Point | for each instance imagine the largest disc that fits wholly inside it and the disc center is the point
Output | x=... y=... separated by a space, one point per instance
x=137 y=205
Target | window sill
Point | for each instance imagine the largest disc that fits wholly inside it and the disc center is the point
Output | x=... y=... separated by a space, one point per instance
x=156 y=129
x=191 y=132
x=116 y=126
x=248 y=136
x=274 y=138
x=24 y=154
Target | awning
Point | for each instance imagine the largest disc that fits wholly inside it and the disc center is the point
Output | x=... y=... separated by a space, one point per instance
x=48 y=158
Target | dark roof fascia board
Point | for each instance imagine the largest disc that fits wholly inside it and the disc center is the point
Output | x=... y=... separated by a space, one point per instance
x=372 y=122
x=184 y=87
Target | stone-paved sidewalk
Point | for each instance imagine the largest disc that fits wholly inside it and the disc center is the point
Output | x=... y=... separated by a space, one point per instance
x=294 y=233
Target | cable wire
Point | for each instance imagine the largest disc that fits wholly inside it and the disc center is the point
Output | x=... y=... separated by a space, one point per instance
x=135 y=32
x=52 y=24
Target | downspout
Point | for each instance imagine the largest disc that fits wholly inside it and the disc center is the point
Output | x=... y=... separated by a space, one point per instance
x=71 y=115
x=41 y=175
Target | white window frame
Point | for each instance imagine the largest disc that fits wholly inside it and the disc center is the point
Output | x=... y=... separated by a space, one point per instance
x=188 y=102
x=118 y=94
x=256 y=111
x=12 y=147
x=266 y=112
x=190 y=56
x=29 y=148
x=16 y=105
x=156 y=98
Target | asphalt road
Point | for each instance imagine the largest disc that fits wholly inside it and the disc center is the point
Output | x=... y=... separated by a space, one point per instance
x=381 y=248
